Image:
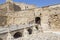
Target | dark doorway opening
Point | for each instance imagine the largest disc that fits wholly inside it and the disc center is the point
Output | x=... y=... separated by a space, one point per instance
x=30 y=31
x=17 y=35
x=37 y=20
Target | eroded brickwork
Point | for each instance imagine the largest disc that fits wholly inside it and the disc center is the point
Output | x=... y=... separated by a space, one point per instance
x=27 y=22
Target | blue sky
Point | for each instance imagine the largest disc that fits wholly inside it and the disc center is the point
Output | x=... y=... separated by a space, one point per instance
x=38 y=3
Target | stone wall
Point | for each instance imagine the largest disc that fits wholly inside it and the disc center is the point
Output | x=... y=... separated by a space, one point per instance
x=21 y=17
x=36 y=34
x=45 y=18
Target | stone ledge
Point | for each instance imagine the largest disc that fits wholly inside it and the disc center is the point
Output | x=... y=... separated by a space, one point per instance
x=14 y=27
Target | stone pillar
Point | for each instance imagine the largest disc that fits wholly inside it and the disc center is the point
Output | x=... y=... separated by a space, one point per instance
x=34 y=30
x=9 y=36
x=25 y=34
x=44 y=20
x=40 y=28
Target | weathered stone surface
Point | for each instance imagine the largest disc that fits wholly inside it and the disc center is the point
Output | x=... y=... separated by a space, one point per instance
x=19 y=17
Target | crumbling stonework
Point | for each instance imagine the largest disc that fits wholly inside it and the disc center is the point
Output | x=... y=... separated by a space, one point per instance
x=19 y=21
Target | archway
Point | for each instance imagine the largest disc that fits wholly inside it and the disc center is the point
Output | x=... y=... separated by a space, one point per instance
x=17 y=35
x=29 y=31
x=37 y=20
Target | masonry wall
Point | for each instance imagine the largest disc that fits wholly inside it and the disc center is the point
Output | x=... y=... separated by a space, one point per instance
x=21 y=17
x=37 y=34
x=50 y=21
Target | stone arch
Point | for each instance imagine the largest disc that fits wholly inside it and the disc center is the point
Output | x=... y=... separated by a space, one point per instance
x=17 y=35
x=37 y=20
x=29 y=30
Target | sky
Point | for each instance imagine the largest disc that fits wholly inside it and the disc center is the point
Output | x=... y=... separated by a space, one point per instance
x=38 y=3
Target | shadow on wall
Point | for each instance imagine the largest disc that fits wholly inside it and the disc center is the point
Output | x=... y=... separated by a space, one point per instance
x=3 y=20
x=17 y=35
x=16 y=7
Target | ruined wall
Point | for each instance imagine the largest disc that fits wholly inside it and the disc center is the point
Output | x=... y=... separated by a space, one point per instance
x=21 y=17
x=33 y=34
x=46 y=18
x=25 y=6
x=50 y=19
x=54 y=18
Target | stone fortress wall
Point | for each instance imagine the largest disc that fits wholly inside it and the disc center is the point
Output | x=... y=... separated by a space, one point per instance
x=46 y=22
